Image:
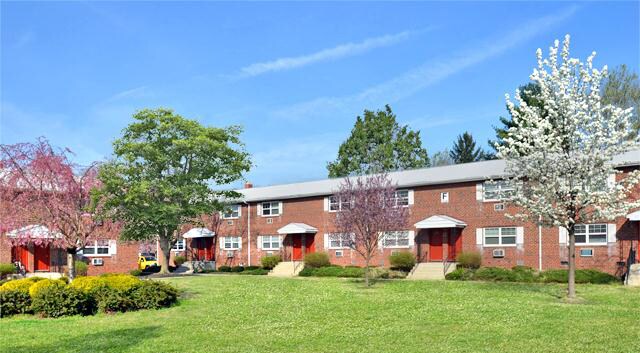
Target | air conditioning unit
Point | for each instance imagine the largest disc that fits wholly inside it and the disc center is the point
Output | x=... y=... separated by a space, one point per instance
x=339 y=253
x=498 y=207
x=96 y=261
x=229 y=222
x=229 y=253
x=498 y=253
x=269 y=220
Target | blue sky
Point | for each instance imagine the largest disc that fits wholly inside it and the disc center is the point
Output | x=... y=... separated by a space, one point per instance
x=294 y=75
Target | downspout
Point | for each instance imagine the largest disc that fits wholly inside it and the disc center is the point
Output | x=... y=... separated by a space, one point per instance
x=248 y=232
x=540 y=243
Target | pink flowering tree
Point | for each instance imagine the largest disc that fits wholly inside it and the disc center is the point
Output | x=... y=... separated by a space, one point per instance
x=48 y=200
x=366 y=211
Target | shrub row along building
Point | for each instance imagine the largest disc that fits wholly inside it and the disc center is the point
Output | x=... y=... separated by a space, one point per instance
x=452 y=209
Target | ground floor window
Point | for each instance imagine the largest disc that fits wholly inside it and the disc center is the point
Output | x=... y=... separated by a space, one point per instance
x=97 y=247
x=340 y=241
x=591 y=233
x=398 y=239
x=500 y=236
x=270 y=242
x=179 y=245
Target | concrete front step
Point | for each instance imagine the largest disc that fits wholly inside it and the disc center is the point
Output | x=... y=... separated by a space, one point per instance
x=287 y=269
x=430 y=270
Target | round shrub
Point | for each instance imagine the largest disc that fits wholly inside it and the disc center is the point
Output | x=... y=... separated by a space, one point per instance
x=269 y=262
x=112 y=300
x=54 y=301
x=7 y=269
x=469 y=259
x=403 y=261
x=20 y=284
x=317 y=259
x=224 y=268
x=40 y=285
x=154 y=295
x=14 y=302
x=81 y=268
x=179 y=260
x=460 y=274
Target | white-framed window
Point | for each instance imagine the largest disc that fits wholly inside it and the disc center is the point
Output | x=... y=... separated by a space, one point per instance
x=97 y=248
x=339 y=253
x=397 y=239
x=340 y=240
x=231 y=212
x=337 y=204
x=270 y=242
x=401 y=198
x=179 y=245
x=497 y=190
x=591 y=233
x=271 y=208
x=231 y=243
x=444 y=197
x=500 y=236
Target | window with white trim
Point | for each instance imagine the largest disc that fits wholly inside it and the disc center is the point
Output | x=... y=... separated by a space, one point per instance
x=591 y=233
x=500 y=236
x=97 y=247
x=270 y=242
x=340 y=240
x=179 y=245
x=497 y=190
x=231 y=212
x=271 y=208
x=231 y=243
x=336 y=204
x=401 y=198
x=397 y=239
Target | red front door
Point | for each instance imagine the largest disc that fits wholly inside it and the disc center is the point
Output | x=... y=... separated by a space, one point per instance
x=204 y=249
x=455 y=244
x=21 y=253
x=435 y=245
x=309 y=245
x=297 y=247
x=41 y=257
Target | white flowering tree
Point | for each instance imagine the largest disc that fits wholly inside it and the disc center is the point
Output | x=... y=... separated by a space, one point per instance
x=561 y=160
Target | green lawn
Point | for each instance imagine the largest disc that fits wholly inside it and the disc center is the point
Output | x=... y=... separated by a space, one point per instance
x=230 y=313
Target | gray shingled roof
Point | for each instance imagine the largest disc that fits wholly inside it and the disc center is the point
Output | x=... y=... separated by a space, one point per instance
x=408 y=178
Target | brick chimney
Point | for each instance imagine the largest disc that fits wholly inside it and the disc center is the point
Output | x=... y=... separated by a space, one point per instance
x=248 y=185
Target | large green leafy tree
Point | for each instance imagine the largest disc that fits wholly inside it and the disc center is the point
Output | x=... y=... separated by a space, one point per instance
x=622 y=89
x=162 y=174
x=378 y=144
x=465 y=150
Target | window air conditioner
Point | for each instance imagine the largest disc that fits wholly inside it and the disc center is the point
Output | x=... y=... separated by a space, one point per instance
x=229 y=253
x=96 y=261
x=498 y=253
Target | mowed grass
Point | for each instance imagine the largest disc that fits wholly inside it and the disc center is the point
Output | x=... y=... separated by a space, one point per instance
x=230 y=313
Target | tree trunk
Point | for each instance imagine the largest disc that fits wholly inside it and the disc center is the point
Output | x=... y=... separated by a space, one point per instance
x=165 y=246
x=71 y=264
x=366 y=273
x=571 y=290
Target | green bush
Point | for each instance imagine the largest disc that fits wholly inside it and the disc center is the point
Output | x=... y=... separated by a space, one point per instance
x=332 y=271
x=237 y=268
x=269 y=262
x=582 y=276
x=54 y=301
x=38 y=286
x=403 y=261
x=257 y=271
x=224 y=268
x=154 y=295
x=179 y=260
x=111 y=300
x=7 y=269
x=316 y=260
x=251 y=268
x=81 y=268
x=90 y=284
x=496 y=274
x=121 y=281
x=460 y=274
x=524 y=274
x=14 y=302
x=136 y=272
x=469 y=259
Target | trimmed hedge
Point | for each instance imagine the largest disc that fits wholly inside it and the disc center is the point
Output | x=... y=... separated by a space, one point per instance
x=14 y=302
x=224 y=269
x=257 y=271
x=269 y=262
x=349 y=272
x=403 y=261
x=54 y=301
x=317 y=260
x=527 y=274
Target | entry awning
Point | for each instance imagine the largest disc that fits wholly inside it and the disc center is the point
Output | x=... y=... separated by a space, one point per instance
x=440 y=221
x=33 y=231
x=297 y=228
x=198 y=233
x=634 y=216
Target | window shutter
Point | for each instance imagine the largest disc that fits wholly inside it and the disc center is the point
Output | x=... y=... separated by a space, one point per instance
x=281 y=207
x=611 y=233
x=410 y=197
x=239 y=243
x=380 y=240
x=479 y=192
x=562 y=235
x=239 y=211
x=260 y=242
x=479 y=233
x=326 y=241
x=279 y=241
x=326 y=204
x=611 y=181
x=259 y=209
x=520 y=235
x=113 y=247
x=222 y=242
x=412 y=236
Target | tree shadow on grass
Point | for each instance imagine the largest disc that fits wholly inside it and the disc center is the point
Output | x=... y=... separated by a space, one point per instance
x=117 y=340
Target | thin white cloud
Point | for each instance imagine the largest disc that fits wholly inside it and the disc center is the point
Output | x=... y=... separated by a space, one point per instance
x=138 y=92
x=425 y=75
x=337 y=52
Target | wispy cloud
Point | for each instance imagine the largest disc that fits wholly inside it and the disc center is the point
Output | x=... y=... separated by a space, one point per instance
x=427 y=74
x=337 y=52
x=138 y=92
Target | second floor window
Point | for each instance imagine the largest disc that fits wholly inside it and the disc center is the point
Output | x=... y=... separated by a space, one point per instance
x=231 y=211
x=498 y=190
x=401 y=198
x=231 y=243
x=591 y=233
x=271 y=208
x=337 y=204
x=399 y=239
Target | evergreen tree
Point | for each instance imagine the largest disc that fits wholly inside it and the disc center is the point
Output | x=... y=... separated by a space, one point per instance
x=378 y=144
x=464 y=150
